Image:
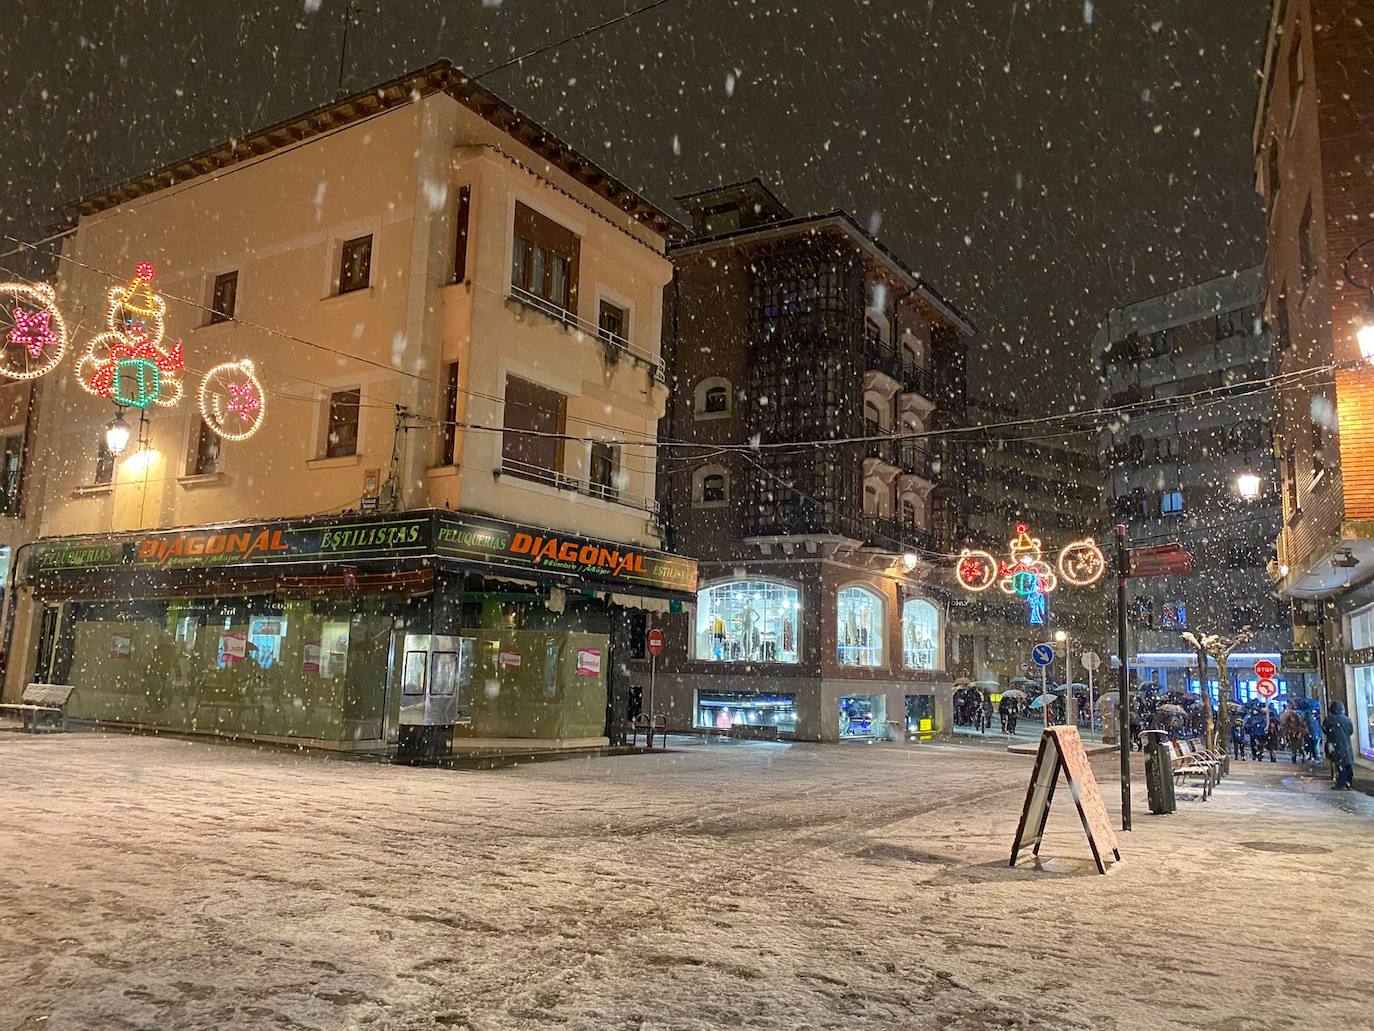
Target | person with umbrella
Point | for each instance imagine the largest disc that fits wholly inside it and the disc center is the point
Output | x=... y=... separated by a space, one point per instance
x=1009 y=708
x=1339 y=730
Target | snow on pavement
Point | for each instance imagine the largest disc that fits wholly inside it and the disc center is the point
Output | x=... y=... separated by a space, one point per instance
x=154 y=883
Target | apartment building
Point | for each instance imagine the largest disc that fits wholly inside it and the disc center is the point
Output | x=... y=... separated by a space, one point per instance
x=817 y=616
x=1197 y=466
x=437 y=501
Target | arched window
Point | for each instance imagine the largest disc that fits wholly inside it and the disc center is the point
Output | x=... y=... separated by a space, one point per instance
x=920 y=634
x=710 y=487
x=859 y=627
x=911 y=351
x=910 y=517
x=873 y=417
x=711 y=399
x=876 y=327
x=748 y=621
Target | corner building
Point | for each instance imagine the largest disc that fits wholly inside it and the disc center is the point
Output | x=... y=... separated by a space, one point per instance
x=816 y=617
x=448 y=517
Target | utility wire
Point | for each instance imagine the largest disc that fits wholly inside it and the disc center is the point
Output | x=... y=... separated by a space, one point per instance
x=581 y=34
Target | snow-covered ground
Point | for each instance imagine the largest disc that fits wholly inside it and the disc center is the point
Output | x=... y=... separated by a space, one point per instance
x=152 y=883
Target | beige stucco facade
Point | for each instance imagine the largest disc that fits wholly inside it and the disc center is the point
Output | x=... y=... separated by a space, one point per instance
x=280 y=219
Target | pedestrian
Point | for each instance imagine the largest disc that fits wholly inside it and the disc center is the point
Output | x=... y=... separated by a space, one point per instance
x=1341 y=752
x=1135 y=730
x=1254 y=726
x=1273 y=735
x=1314 y=731
x=1238 y=739
x=1294 y=732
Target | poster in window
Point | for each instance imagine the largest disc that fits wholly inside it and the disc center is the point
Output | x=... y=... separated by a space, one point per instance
x=509 y=660
x=312 y=657
x=233 y=647
x=588 y=662
x=121 y=645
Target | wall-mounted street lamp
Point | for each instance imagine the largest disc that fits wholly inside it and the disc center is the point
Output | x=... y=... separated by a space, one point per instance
x=1364 y=332
x=117 y=434
x=1248 y=486
x=909 y=560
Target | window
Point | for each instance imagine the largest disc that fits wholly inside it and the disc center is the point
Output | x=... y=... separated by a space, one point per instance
x=871 y=500
x=341 y=429
x=1162 y=342
x=613 y=323
x=748 y=621
x=873 y=418
x=204 y=456
x=448 y=429
x=711 y=398
x=534 y=417
x=355 y=264
x=1306 y=255
x=11 y=474
x=1173 y=616
x=460 y=234
x=1166 y=448
x=1171 y=502
x=605 y=464
x=910 y=521
x=1272 y=159
x=920 y=634
x=1296 y=74
x=1282 y=330
x=710 y=486
x=104 y=465
x=1233 y=323
x=859 y=627
x=1142 y=611
x=1290 y=478
x=544 y=259
x=224 y=297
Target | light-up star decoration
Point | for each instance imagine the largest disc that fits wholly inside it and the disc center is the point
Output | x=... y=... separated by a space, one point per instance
x=1027 y=574
x=232 y=401
x=31 y=330
x=37 y=337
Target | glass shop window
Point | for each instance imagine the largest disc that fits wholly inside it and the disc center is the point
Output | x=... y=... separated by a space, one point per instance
x=859 y=615
x=748 y=621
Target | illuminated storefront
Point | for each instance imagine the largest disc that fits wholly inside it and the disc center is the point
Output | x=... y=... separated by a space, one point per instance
x=1360 y=666
x=748 y=621
x=307 y=630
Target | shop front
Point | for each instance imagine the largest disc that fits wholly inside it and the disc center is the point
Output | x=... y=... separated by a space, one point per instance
x=357 y=633
x=1359 y=663
x=814 y=650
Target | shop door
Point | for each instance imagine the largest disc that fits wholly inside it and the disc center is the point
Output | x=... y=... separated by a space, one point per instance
x=433 y=674
x=47 y=643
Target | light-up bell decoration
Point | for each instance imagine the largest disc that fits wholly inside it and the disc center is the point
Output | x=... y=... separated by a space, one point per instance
x=127 y=363
x=232 y=401
x=37 y=337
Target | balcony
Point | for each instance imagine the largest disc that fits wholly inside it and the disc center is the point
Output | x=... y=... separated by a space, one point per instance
x=616 y=346
x=890 y=362
x=891 y=534
x=554 y=478
x=913 y=459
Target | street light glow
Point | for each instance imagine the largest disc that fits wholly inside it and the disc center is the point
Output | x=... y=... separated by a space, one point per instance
x=1248 y=486
x=117 y=435
x=1365 y=334
x=1061 y=635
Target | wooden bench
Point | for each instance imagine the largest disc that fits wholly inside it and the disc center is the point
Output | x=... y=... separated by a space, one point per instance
x=1189 y=760
x=42 y=707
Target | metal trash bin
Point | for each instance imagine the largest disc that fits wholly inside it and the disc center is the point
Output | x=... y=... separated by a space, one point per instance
x=1159 y=772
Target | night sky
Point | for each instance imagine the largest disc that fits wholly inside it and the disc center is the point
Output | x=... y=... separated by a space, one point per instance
x=1038 y=162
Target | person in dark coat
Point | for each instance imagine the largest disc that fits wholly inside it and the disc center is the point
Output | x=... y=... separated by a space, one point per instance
x=1254 y=725
x=1273 y=737
x=1238 y=739
x=1314 y=732
x=1339 y=731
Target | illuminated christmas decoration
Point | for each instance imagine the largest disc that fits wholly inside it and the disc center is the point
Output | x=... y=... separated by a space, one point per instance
x=1081 y=563
x=1025 y=572
x=37 y=339
x=127 y=363
x=977 y=570
x=232 y=401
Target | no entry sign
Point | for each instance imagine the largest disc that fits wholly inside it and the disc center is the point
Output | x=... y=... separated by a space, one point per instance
x=654 y=642
x=1267 y=688
x=1265 y=670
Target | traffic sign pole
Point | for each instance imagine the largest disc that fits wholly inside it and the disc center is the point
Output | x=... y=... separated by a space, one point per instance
x=653 y=643
x=1123 y=708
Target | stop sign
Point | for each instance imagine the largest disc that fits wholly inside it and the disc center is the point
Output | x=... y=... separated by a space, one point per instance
x=1267 y=688
x=1265 y=670
x=654 y=642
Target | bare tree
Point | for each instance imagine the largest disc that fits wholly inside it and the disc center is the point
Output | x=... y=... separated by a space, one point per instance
x=1219 y=647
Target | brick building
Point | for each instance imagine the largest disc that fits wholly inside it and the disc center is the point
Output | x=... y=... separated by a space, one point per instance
x=816 y=614
x=1314 y=166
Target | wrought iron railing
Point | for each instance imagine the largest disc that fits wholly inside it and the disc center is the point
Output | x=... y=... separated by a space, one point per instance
x=616 y=345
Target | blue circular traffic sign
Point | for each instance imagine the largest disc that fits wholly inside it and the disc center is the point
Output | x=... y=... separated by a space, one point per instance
x=1042 y=654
